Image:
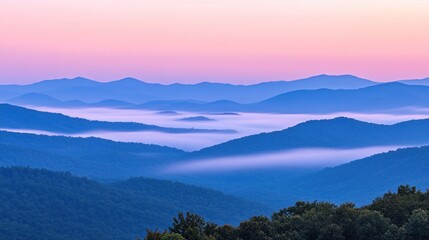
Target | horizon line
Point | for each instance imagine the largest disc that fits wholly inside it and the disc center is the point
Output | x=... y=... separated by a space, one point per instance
x=212 y=82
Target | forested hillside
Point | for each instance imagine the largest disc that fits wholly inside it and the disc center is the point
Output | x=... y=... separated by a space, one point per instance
x=45 y=205
x=91 y=157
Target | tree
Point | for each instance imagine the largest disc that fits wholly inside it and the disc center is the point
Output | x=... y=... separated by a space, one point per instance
x=190 y=226
x=393 y=233
x=256 y=228
x=226 y=232
x=331 y=232
x=399 y=206
x=417 y=227
x=153 y=235
x=371 y=225
x=172 y=236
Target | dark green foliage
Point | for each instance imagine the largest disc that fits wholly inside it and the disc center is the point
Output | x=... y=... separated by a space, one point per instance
x=371 y=225
x=417 y=226
x=325 y=221
x=400 y=206
x=191 y=226
x=40 y=204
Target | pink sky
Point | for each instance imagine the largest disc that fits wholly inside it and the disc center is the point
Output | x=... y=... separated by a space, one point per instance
x=213 y=40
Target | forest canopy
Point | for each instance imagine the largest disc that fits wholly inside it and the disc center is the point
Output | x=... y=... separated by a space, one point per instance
x=403 y=215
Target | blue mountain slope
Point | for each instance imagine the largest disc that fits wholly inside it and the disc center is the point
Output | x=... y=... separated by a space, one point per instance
x=111 y=103
x=5 y=95
x=15 y=117
x=424 y=82
x=362 y=180
x=38 y=99
x=334 y=133
x=92 y=157
x=51 y=85
x=381 y=97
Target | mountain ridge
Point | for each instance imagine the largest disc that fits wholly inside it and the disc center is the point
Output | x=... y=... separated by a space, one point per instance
x=140 y=91
x=340 y=132
x=15 y=117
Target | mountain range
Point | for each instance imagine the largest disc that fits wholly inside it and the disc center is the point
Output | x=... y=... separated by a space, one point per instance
x=97 y=199
x=387 y=97
x=108 y=160
x=319 y=94
x=358 y=181
x=136 y=91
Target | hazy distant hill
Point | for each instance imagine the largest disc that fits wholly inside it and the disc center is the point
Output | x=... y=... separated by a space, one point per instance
x=424 y=81
x=50 y=85
x=383 y=97
x=110 y=103
x=14 y=117
x=38 y=99
x=45 y=205
x=362 y=180
x=135 y=91
x=379 y=98
x=5 y=95
x=323 y=93
x=334 y=133
x=196 y=119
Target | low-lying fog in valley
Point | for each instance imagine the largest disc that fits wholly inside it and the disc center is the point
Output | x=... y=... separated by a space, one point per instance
x=301 y=158
x=244 y=123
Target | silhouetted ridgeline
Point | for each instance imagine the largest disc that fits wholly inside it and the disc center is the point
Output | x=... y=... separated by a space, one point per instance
x=403 y=215
x=379 y=98
x=318 y=94
x=135 y=91
x=44 y=205
x=14 y=117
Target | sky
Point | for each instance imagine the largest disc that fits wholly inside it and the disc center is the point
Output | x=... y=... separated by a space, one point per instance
x=234 y=41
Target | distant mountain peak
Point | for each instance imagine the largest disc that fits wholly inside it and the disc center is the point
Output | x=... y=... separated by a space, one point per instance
x=129 y=80
x=390 y=85
x=75 y=79
x=56 y=84
x=78 y=78
x=33 y=96
x=333 y=121
x=333 y=76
